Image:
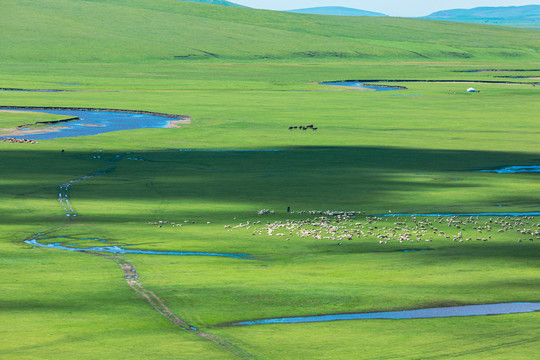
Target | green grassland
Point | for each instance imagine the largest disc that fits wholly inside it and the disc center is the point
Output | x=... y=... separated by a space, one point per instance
x=406 y=151
x=170 y=30
x=10 y=120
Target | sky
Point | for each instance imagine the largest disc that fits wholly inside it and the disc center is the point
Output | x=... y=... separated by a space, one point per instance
x=390 y=7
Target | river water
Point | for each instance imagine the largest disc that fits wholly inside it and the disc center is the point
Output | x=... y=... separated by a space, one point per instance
x=95 y=122
x=442 y=312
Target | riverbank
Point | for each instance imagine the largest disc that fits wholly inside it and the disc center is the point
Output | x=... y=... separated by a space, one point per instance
x=92 y=121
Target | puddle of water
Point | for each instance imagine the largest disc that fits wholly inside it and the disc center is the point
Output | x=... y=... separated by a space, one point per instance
x=97 y=122
x=364 y=86
x=515 y=169
x=120 y=250
x=456 y=311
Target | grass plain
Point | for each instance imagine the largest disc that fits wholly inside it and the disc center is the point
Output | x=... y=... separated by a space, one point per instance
x=409 y=151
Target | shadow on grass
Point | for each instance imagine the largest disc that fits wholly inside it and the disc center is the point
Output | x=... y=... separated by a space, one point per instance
x=310 y=177
x=435 y=253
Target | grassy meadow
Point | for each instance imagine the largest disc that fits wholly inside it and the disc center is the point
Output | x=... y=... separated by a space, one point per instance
x=410 y=151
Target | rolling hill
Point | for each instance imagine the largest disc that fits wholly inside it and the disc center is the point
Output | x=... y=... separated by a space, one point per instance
x=336 y=10
x=520 y=16
x=171 y=30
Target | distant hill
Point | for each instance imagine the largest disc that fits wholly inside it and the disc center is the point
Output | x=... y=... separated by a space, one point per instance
x=336 y=10
x=215 y=2
x=520 y=16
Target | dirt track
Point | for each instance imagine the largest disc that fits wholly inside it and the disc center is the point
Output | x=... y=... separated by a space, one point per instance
x=132 y=278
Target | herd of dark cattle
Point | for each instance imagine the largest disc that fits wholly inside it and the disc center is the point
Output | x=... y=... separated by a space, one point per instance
x=302 y=127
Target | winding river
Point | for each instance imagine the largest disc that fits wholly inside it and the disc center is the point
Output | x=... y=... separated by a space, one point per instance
x=375 y=84
x=364 y=85
x=88 y=121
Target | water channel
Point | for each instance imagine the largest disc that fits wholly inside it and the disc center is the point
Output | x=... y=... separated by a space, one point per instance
x=442 y=312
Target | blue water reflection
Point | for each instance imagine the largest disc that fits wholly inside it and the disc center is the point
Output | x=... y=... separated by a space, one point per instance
x=515 y=169
x=96 y=122
x=442 y=312
x=120 y=250
x=364 y=86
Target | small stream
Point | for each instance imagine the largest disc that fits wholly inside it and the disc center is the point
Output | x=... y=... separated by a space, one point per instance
x=442 y=312
x=513 y=214
x=115 y=249
x=515 y=169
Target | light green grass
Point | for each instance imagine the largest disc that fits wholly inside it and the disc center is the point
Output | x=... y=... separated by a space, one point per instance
x=374 y=152
x=512 y=336
x=49 y=314
x=9 y=120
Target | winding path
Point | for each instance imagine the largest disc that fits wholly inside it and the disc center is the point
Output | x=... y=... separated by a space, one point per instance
x=133 y=281
x=131 y=275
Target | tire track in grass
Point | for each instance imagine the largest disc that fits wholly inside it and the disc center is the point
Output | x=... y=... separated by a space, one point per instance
x=132 y=278
x=482 y=349
x=63 y=192
x=424 y=348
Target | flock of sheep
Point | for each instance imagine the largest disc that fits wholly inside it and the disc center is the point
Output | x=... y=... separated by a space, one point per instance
x=162 y=223
x=339 y=227
x=21 y=141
